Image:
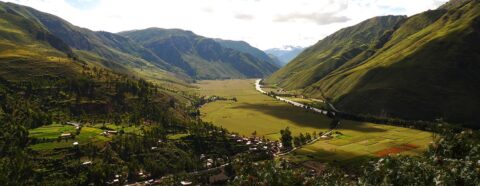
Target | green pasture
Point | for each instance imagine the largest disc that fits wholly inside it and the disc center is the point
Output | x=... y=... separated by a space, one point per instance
x=51 y=131
x=88 y=134
x=267 y=116
x=176 y=136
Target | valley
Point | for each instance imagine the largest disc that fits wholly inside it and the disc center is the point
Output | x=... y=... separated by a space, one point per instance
x=329 y=97
x=256 y=112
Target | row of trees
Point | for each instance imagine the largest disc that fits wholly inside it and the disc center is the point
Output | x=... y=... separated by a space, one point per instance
x=302 y=139
x=288 y=141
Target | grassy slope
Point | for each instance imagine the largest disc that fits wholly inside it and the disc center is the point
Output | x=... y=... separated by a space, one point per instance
x=332 y=52
x=19 y=34
x=424 y=69
x=23 y=55
x=267 y=116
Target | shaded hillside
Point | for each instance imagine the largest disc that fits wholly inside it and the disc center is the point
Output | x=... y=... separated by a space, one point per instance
x=200 y=57
x=244 y=47
x=425 y=67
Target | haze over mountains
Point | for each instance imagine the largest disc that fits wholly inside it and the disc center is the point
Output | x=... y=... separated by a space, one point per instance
x=154 y=53
x=285 y=54
x=420 y=67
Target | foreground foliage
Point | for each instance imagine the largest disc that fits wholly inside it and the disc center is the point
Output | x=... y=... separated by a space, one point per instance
x=453 y=159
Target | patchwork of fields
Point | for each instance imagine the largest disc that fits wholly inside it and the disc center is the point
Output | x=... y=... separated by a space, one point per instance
x=257 y=112
x=50 y=134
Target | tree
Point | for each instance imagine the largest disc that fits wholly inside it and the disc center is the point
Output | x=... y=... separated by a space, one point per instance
x=308 y=137
x=297 y=142
x=334 y=123
x=302 y=139
x=286 y=138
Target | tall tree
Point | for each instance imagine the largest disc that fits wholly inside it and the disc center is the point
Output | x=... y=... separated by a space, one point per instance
x=286 y=138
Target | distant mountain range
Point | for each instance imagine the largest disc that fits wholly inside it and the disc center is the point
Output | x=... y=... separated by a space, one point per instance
x=37 y=38
x=201 y=57
x=247 y=48
x=285 y=54
x=422 y=67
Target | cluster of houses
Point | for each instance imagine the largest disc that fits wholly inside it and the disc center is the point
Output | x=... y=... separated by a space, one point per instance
x=209 y=162
x=256 y=143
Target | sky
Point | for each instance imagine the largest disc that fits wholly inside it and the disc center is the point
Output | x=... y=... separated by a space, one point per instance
x=262 y=23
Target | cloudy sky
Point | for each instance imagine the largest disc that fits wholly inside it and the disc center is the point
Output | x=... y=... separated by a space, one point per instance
x=262 y=23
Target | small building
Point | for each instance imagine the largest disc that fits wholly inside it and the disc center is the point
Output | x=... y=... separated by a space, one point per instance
x=76 y=124
x=75 y=143
x=325 y=137
x=186 y=182
x=66 y=135
x=209 y=163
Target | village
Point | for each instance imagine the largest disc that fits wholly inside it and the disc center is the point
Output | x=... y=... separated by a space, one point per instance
x=253 y=145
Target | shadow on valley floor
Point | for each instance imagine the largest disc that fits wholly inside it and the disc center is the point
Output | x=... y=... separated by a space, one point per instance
x=304 y=118
x=338 y=157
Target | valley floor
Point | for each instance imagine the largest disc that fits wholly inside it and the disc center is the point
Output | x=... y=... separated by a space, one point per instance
x=256 y=112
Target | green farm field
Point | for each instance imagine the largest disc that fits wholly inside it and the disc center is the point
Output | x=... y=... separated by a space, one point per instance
x=88 y=134
x=267 y=116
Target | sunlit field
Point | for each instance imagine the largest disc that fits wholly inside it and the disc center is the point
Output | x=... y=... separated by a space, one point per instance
x=257 y=112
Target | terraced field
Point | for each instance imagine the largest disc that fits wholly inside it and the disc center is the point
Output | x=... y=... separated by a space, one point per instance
x=257 y=112
x=87 y=134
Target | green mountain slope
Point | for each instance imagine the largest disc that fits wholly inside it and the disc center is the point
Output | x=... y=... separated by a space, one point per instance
x=200 y=57
x=103 y=49
x=425 y=68
x=28 y=51
x=244 y=47
x=332 y=52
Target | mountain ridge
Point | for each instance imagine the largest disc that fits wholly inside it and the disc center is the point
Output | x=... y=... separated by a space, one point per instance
x=423 y=68
x=125 y=55
x=201 y=57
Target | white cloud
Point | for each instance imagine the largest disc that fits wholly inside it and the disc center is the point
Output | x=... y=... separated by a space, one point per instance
x=262 y=23
x=318 y=18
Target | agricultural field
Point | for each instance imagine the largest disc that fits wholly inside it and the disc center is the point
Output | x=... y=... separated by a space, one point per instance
x=267 y=116
x=87 y=134
x=51 y=131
